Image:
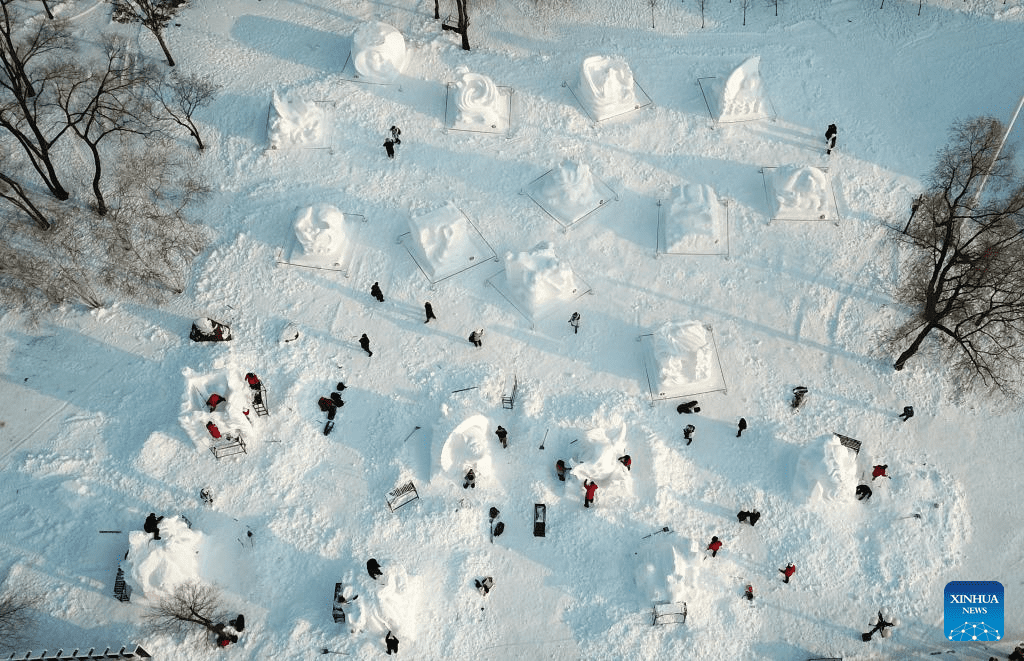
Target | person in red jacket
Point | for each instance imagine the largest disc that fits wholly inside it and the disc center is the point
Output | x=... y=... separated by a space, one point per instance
x=626 y=461
x=214 y=401
x=591 y=487
x=714 y=546
x=212 y=428
x=879 y=471
x=788 y=571
x=560 y=470
x=748 y=594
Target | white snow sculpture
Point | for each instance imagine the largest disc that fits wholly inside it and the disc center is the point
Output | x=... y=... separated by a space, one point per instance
x=742 y=95
x=665 y=571
x=801 y=193
x=825 y=472
x=684 y=355
x=477 y=99
x=156 y=567
x=320 y=230
x=378 y=52
x=467 y=447
x=539 y=278
x=694 y=219
x=605 y=86
x=596 y=457
x=393 y=606
x=570 y=192
x=443 y=241
x=295 y=123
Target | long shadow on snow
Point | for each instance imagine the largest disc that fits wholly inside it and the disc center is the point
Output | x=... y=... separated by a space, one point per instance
x=316 y=49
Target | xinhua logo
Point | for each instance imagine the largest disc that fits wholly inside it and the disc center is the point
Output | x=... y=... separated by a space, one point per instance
x=973 y=610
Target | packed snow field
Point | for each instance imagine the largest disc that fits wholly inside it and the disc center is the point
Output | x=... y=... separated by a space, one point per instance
x=713 y=251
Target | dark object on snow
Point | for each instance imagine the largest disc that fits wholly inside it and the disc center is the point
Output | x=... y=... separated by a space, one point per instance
x=208 y=330
x=389 y=147
x=477 y=338
x=212 y=428
x=502 y=436
x=337 y=609
x=881 y=626
x=1017 y=654
x=214 y=401
x=742 y=426
x=714 y=546
x=326 y=404
x=879 y=471
x=206 y=495
x=908 y=413
x=688 y=433
x=364 y=342
x=863 y=492
x=429 y=309
x=574 y=321
x=830 y=138
x=560 y=470
x=373 y=569
x=798 y=396
x=591 y=488
x=396 y=135
x=499 y=528
x=788 y=572
x=151 y=525
x=626 y=461
x=224 y=636
x=253 y=381
x=337 y=400
x=493 y=513
x=485 y=585
x=340 y=387
x=470 y=479
x=748 y=593
x=391 y=642
x=688 y=407
x=376 y=292
x=540 y=519
x=748 y=517
x=238 y=623
x=332 y=413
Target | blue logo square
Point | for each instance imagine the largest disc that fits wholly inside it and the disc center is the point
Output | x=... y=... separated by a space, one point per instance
x=973 y=610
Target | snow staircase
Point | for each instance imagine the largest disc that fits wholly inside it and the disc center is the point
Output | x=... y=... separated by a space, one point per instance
x=136 y=652
x=259 y=401
x=122 y=591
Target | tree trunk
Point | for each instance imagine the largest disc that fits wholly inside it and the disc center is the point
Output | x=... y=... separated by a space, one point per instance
x=24 y=203
x=101 y=204
x=437 y=10
x=160 y=38
x=912 y=349
x=46 y=6
x=463 y=22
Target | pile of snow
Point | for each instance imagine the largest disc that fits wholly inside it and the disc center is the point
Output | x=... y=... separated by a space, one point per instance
x=478 y=101
x=444 y=241
x=800 y=192
x=320 y=232
x=569 y=192
x=378 y=52
x=391 y=603
x=295 y=123
x=694 y=221
x=825 y=471
x=157 y=566
x=684 y=357
x=538 y=279
x=605 y=87
x=596 y=457
x=665 y=571
x=466 y=448
x=742 y=96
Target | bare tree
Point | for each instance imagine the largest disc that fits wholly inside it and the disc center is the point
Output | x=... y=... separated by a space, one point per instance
x=154 y=15
x=964 y=279
x=745 y=4
x=462 y=27
x=105 y=100
x=18 y=607
x=775 y=3
x=15 y=194
x=182 y=95
x=149 y=240
x=702 y=2
x=22 y=106
x=192 y=604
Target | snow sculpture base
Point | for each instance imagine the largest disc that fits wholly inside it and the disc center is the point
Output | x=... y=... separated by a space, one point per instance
x=739 y=98
x=378 y=55
x=229 y=415
x=293 y=123
x=445 y=242
x=538 y=283
x=606 y=89
x=569 y=193
x=800 y=193
x=498 y=123
x=327 y=241
x=693 y=221
x=681 y=360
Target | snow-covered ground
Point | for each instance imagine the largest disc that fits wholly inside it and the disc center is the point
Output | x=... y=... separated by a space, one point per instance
x=99 y=424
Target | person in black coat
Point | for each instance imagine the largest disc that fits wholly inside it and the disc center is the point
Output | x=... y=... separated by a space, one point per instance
x=908 y=413
x=364 y=342
x=688 y=407
x=830 y=138
x=391 y=642
x=151 y=524
x=742 y=426
x=373 y=569
x=376 y=292
x=502 y=435
x=389 y=147
x=429 y=309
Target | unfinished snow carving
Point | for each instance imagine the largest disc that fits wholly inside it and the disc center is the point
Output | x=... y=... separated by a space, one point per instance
x=539 y=278
x=320 y=231
x=742 y=96
x=157 y=567
x=443 y=241
x=570 y=192
x=596 y=457
x=800 y=192
x=478 y=100
x=605 y=87
x=378 y=52
x=694 y=220
x=825 y=471
x=684 y=355
x=295 y=123
x=468 y=447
